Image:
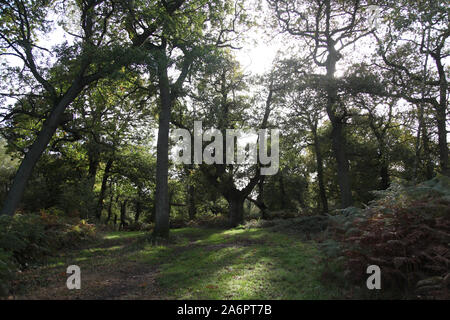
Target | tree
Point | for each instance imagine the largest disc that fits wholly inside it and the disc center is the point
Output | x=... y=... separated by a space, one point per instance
x=327 y=27
x=415 y=35
x=222 y=104
x=89 y=57
x=304 y=105
x=188 y=29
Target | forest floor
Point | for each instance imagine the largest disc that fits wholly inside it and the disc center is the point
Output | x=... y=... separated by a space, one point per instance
x=197 y=263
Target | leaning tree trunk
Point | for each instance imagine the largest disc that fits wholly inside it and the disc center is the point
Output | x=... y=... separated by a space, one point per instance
x=162 y=158
x=25 y=170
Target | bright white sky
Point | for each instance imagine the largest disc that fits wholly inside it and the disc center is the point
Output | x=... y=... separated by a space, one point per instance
x=257 y=59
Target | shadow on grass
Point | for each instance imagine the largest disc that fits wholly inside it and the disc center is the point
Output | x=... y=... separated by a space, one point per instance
x=194 y=264
x=243 y=264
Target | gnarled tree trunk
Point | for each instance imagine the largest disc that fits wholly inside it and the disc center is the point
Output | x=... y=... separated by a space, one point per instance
x=236 y=210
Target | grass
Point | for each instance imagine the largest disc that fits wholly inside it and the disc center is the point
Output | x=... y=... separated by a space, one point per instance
x=195 y=264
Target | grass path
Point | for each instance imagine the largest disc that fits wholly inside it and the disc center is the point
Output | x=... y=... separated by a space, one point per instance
x=196 y=264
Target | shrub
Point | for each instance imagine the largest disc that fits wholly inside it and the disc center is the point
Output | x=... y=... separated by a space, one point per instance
x=406 y=232
x=139 y=226
x=209 y=220
x=25 y=238
x=7 y=271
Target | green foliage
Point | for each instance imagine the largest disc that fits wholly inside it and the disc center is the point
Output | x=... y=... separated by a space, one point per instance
x=7 y=271
x=26 y=238
x=8 y=166
x=77 y=199
x=23 y=236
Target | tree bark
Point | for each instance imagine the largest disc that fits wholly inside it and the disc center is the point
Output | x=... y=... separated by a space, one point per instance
x=123 y=213
x=138 y=210
x=101 y=197
x=236 y=210
x=115 y=221
x=93 y=167
x=110 y=207
x=260 y=199
x=427 y=152
x=162 y=158
x=384 y=174
x=320 y=178
x=342 y=165
x=441 y=116
x=338 y=139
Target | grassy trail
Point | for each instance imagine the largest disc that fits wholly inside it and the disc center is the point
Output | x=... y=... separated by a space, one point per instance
x=196 y=264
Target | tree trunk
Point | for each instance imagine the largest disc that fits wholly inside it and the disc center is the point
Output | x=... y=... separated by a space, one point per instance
x=98 y=211
x=152 y=213
x=25 y=170
x=320 y=179
x=115 y=221
x=338 y=139
x=342 y=165
x=192 y=208
x=138 y=207
x=110 y=207
x=384 y=174
x=93 y=166
x=417 y=146
x=236 y=210
x=138 y=211
x=260 y=199
x=427 y=152
x=162 y=157
x=441 y=115
x=123 y=214
x=442 y=136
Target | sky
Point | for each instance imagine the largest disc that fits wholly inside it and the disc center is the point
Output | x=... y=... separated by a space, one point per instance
x=257 y=58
